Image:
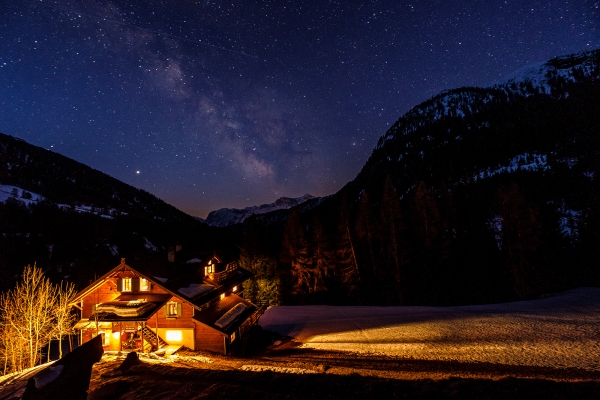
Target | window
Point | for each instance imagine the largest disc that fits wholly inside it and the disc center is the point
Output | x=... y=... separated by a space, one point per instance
x=174 y=336
x=209 y=269
x=233 y=336
x=173 y=309
x=235 y=288
x=144 y=285
x=126 y=285
x=222 y=296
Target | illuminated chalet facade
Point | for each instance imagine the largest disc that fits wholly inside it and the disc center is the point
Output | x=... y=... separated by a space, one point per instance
x=196 y=304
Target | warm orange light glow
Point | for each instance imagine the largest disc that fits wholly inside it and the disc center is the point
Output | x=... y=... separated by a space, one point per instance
x=222 y=296
x=116 y=335
x=174 y=336
x=235 y=288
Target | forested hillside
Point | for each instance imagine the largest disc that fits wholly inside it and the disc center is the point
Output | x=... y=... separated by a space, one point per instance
x=476 y=195
x=84 y=220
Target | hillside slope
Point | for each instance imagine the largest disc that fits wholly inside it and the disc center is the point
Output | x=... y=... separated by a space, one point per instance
x=76 y=222
x=475 y=195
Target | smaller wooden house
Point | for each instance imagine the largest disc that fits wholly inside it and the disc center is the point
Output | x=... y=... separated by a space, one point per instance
x=198 y=304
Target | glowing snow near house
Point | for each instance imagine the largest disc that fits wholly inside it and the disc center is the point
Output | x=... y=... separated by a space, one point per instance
x=559 y=331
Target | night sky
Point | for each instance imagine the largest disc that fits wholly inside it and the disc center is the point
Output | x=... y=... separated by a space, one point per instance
x=214 y=104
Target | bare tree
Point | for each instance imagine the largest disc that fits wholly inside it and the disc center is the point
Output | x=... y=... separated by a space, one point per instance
x=64 y=317
x=32 y=314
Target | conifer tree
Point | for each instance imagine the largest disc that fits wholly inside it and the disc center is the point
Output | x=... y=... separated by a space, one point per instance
x=520 y=238
x=323 y=254
x=392 y=233
x=295 y=254
x=263 y=287
x=346 y=270
x=364 y=229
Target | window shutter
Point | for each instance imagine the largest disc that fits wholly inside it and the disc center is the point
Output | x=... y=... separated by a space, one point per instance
x=119 y=285
x=135 y=284
x=93 y=308
x=179 y=309
x=166 y=310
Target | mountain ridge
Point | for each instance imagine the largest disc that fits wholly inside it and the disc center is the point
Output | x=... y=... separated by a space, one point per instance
x=231 y=216
x=476 y=195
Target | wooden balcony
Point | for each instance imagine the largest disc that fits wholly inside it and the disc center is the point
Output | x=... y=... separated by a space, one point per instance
x=219 y=277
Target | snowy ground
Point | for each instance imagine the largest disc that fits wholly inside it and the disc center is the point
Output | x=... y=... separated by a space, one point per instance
x=559 y=331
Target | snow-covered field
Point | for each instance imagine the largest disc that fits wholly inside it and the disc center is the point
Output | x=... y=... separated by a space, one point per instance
x=558 y=331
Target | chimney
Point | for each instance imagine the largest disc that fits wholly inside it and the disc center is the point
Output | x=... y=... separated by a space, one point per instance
x=171 y=254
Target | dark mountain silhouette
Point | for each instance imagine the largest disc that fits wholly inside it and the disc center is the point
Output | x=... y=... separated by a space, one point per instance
x=476 y=195
x=66 y=181
x=84 y=220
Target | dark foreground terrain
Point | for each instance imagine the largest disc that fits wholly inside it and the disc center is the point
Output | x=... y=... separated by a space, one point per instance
x=336 y=376
x=284 y=371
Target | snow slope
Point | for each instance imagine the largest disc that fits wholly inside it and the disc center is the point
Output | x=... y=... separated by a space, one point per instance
x=15 y=192
x=559 y=331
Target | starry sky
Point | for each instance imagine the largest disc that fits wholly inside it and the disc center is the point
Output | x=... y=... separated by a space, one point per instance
x=210 y=104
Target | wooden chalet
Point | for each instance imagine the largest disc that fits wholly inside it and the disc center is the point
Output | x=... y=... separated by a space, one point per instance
x=198 y=304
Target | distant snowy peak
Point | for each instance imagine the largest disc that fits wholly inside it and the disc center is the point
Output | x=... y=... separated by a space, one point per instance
x=231 y=216
x=540 y=78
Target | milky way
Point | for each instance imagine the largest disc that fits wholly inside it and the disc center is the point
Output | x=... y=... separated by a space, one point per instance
x=228 y=104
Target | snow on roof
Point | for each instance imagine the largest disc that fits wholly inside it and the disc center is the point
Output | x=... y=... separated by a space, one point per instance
x=195 y=289
x=559 y=331
x=133 y=308
x=230 y=316
x=193 y=260
x=163 y=280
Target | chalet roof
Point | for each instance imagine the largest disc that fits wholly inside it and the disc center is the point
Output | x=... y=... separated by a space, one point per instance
x=173 y=278
x=238 y=278
x=219 y=308
x=224 y=255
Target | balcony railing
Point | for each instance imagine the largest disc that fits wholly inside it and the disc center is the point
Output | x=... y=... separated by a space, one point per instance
x=219 y=277
x=253 y=320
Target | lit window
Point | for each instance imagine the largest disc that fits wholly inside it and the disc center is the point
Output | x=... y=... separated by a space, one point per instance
x=233 y=336
x=105 y=338
x=144 y=284
x=235 y=288
x=172 y=308
x=222 y=296
x=126 y=285
x=174 y=336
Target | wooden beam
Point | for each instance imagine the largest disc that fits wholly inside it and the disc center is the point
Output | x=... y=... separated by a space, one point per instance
x=142 y=346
